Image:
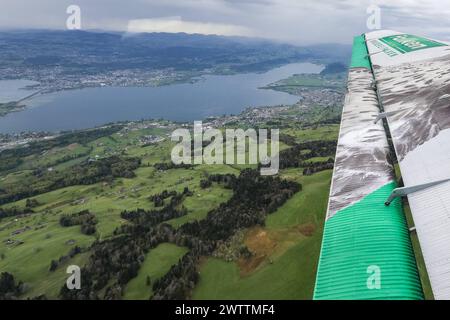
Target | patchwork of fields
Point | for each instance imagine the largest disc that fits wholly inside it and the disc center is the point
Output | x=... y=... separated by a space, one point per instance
x=283 y=251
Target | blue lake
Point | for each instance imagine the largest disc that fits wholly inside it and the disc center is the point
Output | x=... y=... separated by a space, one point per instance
x=211 y=96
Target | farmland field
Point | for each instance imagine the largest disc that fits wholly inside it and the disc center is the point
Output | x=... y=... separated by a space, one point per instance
x=37 y=246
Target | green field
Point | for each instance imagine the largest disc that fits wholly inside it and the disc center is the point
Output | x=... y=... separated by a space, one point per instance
x=310 y=81
x=328 y=132
x=29 y=243
x=288 y=272
x=157 y=262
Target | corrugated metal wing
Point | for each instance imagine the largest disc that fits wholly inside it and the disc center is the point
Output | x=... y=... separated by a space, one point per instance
x=362 y=236
x=413 y=79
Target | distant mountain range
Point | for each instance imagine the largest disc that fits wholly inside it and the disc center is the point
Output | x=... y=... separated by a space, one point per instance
x=43 y=54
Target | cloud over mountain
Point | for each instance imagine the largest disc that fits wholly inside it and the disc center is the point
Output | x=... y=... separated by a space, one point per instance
x=299 y=22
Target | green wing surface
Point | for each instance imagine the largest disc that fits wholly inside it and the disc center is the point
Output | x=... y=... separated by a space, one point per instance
x=366 y=249
x=413 y=82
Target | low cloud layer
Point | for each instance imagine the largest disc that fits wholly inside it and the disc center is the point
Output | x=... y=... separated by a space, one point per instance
x=176 y=24
x=294 y=21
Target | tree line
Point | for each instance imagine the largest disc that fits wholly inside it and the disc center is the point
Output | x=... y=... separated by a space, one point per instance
x=158 y=199
x=12 y=158
x=164 y=166
x=298 y=155
x=154 y=217
x=9 y=288
x=72 y=253
x=254 y=197
x=12 y=212
x=117 y=260
x=88 y=172
x=85 y=219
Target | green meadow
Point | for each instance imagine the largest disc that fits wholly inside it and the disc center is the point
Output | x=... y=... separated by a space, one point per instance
x=284 y=269
x=287 y=271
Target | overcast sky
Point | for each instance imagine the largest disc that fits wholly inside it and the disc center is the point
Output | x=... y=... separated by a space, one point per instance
x=294 y=21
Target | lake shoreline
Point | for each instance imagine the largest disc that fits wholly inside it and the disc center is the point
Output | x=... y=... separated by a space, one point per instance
x=210 y=95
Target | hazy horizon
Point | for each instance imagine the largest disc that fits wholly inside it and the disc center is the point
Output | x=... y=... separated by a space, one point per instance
x=280 y=20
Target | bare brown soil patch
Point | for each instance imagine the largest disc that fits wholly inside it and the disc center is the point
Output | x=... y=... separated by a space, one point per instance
x=307 y=229
x=72 y=146
x=261 y=243
x=266 y=245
